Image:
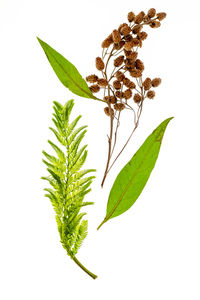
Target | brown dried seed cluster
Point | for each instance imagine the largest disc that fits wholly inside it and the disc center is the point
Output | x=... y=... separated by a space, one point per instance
x=119 y=106
x=151 y=13
x=108 y=111
x=94 y=88
x=156 y=82
x=137 y=98
x=119 y=61
x=151 y=94
x=119 y=75
x=117 y=84
x=116 y=36
x=139 y=17
x=102 y=82
x=147 y=84
x=99 y=64
x=128 y=94
x=161 y=16
x=131 y=16
x=121 y=47
x=110 y=99
x=92 y=78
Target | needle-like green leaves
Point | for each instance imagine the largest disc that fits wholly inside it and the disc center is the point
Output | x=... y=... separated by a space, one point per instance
x=67 y=72
x=134 y=176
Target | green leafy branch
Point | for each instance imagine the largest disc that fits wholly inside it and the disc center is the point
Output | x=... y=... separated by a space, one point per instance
x=68 y=182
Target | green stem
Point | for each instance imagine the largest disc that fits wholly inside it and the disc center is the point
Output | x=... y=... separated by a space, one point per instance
x=83 y=268
x=104 y=221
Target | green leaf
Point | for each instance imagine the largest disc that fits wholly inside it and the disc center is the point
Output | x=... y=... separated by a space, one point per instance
x=66 y=72
x=134 y=176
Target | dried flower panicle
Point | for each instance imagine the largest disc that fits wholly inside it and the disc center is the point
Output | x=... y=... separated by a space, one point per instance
x=125 y=84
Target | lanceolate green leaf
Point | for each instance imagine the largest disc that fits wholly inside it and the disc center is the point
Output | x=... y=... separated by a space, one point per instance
x=67 y=72
x=133 y=177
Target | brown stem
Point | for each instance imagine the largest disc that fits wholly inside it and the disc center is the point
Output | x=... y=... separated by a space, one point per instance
x=135 y=127
x=111 y=123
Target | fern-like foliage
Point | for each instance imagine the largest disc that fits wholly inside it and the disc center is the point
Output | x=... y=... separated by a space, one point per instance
x=68 y=181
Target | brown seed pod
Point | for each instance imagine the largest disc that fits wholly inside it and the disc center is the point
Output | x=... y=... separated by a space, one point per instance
x=161 y=16
x=92 y=78
x=155 y=24
x=129 y=63
x=137 y=98
x=131 y=85
x=139 y=65
x=151 y=13
x=119 y=94
x=119 y=75
x=132 y=55
x=116 y=36
x=135 y=42
x=119 y=106
x=156 y=82
x=117 y=84
x=129 y=45
x=127 y=94
x=146 y=19
x=119 y=45
x=110 y=99
x=139 y=17
x=99 y=64
x=127 y=52
x=125 y=30
x=131 y=16
x=147 y=84
x=102 y=82
x=94 y=88
x=142 y=35
x=151 y=94
x=126 y=81
x=107 y=42
x=136 y=73
x=119 y=61
x=128 y=38
x=121 y=25
x=108 y=111
x=137 y=29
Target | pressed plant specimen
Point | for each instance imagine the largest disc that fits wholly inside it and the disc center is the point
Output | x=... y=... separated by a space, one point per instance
x=122 y=81
x=69 y=185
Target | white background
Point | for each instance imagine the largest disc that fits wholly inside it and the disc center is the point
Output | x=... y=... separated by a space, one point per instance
x=151 y=251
